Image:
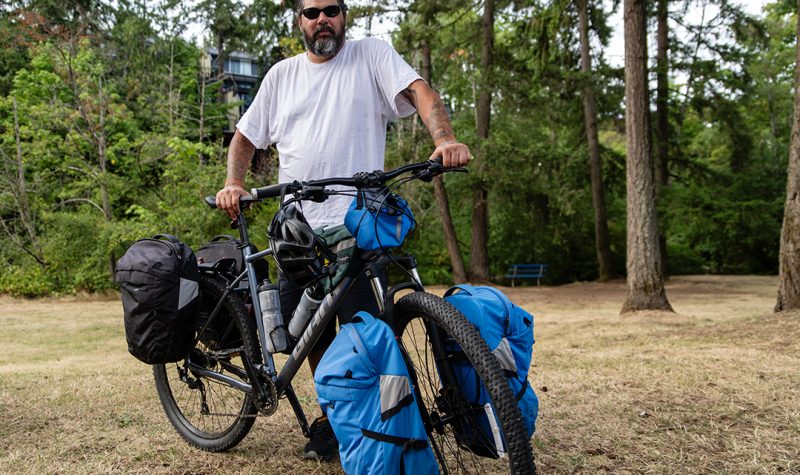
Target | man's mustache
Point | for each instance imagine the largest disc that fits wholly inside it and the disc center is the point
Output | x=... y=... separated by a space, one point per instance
x=324 y=28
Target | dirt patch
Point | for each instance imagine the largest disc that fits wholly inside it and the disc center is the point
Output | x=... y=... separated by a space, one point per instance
x=713 y=387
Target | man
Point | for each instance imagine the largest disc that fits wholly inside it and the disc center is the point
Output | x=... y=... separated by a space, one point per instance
x=327 y=110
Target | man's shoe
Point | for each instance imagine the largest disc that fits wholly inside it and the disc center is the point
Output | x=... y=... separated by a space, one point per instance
x=323 y=444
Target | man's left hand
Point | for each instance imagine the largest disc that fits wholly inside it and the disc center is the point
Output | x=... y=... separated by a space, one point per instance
x=454 y=154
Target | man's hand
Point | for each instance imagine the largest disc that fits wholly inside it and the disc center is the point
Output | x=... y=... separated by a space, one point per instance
x=433 y=113
x=228 y=199
x=454 y=154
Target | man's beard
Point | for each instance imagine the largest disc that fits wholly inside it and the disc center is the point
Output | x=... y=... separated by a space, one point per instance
x=327 y=46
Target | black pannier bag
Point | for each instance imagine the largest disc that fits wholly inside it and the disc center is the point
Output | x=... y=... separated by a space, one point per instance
x=160 y=294
x=226 y=252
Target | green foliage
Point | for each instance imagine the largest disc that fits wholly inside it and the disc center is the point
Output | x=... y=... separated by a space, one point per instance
x=723 y=229
x=119 y=141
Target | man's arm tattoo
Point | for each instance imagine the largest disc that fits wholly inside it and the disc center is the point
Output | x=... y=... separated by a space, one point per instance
x=438 y=123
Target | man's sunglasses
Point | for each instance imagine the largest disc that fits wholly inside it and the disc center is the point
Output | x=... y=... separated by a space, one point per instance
x=330 y=12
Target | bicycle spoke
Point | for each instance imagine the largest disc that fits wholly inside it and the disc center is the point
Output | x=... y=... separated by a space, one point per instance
x=415 y=340
x=208 y=413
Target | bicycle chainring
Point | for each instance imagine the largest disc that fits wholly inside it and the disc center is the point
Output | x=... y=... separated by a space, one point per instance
x=268 y=404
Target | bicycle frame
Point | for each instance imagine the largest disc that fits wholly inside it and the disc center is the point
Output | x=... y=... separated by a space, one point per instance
x=371 y=263
x=314 y=329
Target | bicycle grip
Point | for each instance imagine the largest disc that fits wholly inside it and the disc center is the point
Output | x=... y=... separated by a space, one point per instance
x=270 y=191
x=211 y=201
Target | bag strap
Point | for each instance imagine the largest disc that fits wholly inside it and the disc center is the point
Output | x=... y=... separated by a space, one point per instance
x=405 y=442
x=465 y=287
x=168 y=237
x=506 y=302
x=470 y=289
x=519 y=395
x=220 y=237
x=406 y=401
x=360 y=199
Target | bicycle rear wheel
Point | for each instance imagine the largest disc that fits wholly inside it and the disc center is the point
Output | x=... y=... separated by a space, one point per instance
x=207 y=413
x=417 y=317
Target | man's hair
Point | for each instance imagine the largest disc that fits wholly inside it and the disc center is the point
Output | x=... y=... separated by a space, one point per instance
x=299 y=6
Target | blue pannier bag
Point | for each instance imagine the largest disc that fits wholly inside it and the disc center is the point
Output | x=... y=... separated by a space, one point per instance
x=365 y=390
x=508 y=331
x=379 y=219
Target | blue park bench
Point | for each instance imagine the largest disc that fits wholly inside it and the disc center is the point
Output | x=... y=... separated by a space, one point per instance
x=526 y=271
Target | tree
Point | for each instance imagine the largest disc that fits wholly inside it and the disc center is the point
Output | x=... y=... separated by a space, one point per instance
x=421 y=35
x=789 y=261
x=602 y=240
x=20 y=226
x=662 y=114
x=645 y=280
x=442 y=201
x=479 y=256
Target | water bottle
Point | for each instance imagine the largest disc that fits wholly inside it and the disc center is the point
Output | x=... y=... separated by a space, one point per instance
x=270 y=300
x=309 y=303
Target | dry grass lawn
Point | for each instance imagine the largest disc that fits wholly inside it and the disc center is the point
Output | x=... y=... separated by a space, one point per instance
x=713 y=388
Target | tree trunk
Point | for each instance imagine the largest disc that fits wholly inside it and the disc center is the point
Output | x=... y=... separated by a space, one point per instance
x=20 y=192
x=222 y=55
x=171 y=87
x=102 y=161
x=645 y=281
x=789 y=261
x=662 y=113
x=479 y=260
x=456 y=261
x=602 y=240
x=201 y=125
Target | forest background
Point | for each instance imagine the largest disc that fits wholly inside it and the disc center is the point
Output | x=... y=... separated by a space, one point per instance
x=110 y=131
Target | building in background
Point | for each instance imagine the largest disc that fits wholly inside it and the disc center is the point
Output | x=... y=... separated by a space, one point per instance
x=240 y=82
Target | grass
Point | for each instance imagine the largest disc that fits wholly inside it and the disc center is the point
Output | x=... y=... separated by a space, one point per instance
x=712 y=388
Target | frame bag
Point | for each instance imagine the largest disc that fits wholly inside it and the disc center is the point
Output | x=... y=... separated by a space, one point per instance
x=160 y=292
x=365 y=390
x=508 y=331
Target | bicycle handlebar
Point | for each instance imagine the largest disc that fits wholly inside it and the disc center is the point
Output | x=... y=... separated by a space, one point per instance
x=423 y=170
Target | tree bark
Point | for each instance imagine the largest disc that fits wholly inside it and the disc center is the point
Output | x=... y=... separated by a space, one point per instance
x=20 y=193
x=602 y=240
x=222 y=56
x=645 y=280
x=662 y=114
x=479 y=259
x=789 y=260
x=456 y=261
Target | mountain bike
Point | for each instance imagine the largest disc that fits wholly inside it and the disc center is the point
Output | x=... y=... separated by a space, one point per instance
x=213 y=396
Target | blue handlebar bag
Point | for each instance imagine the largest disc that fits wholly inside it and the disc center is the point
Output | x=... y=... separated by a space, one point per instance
x=379 y=219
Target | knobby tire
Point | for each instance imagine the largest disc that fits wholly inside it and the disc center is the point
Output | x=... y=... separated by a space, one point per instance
x=206 y=413
x=411 y=313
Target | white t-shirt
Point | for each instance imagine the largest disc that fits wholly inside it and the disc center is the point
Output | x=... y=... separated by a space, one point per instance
x=329 y=119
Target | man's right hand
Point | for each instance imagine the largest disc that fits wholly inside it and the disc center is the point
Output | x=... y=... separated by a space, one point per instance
x=228 y=199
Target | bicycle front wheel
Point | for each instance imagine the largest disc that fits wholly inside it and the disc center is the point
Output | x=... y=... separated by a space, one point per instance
x=207 y=413
x=422 y=318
